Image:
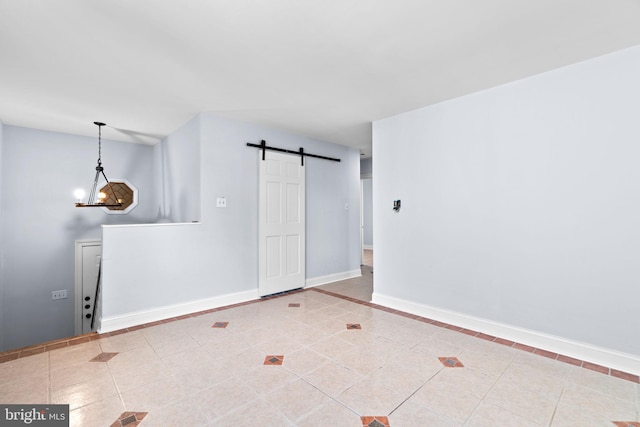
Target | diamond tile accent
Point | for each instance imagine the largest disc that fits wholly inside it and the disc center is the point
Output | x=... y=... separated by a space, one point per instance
x=129 y=419
x=626 y=423
x=451 y=362
x=354 y=326
x=294 y=304
x=273 y=360
x=377 y=421
x=103 y=357
x=220 y=325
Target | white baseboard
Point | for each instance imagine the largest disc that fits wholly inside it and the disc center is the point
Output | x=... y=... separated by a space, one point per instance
x=330 y=278
x=128 y=320
x=114 y=323
x=367 y=247
x=578 y=350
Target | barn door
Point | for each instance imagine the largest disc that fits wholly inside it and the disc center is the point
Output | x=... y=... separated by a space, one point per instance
x=282 y=224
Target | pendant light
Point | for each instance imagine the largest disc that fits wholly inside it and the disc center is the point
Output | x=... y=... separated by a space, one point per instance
x=97 y=200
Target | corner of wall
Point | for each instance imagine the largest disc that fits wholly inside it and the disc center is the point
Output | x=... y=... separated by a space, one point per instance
x=177 y=159
x=2 y=322
x=366 y=167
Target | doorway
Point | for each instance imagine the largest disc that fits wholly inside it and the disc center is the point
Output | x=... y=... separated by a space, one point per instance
x=361 y=288
x=366 y=220
x=87 y=270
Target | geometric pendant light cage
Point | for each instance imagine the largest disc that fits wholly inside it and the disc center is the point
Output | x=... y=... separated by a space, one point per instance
x=114 y=197
x=122 y=196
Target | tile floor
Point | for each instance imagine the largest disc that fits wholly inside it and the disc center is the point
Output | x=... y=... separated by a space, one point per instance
x=360 y=288
x=294 y=361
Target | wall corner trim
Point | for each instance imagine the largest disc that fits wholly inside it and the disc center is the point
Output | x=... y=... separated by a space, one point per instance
x=330 y=278
x=599 y=355
x=115 y=323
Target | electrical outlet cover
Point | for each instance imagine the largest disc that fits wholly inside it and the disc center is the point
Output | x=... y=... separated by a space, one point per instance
x=62 y=294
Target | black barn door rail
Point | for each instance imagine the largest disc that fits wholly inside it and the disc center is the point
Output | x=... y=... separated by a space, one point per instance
x=263 y=146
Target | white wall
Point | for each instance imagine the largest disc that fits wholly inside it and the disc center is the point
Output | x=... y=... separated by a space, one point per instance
x=366 y=168
x=366 y=174
x=39 y=223
x=520 y=204
x=367 y=212
x=178 y=172
x=150 y=272
x=2 y=321
x=232 y=171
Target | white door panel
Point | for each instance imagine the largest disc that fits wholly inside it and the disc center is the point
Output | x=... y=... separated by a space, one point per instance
x=282 y=224
x=293 y=255
x=273 y=257
x=88 y=255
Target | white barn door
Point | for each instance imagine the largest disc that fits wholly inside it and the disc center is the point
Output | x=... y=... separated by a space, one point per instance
x=282 y=224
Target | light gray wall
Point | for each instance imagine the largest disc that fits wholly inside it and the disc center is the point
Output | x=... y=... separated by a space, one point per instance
x=520 y=204
x=367 y=211
x=2 y=321
x=173 y=264
x=39 y=223
x=366 y=167
x=178 y=171
x=366 y=173
x=232 y=171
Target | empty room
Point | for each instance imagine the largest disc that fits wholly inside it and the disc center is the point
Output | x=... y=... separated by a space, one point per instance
x=344 y=213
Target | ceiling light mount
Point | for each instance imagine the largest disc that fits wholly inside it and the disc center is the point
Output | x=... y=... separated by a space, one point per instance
x=102 y=199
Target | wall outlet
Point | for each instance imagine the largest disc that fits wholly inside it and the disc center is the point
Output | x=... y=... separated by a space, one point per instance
x=59 y=294
x=221 y=202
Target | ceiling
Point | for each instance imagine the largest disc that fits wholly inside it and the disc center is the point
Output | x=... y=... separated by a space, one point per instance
x=324 y=68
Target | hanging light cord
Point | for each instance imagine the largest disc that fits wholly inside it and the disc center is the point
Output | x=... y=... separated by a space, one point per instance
x=100 y=172
x=99 y=144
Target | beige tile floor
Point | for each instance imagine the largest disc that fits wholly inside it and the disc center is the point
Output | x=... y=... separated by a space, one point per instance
x=360 y=288
x=186 y=373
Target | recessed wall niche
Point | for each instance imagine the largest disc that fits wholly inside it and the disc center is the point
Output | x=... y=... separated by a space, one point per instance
x=123 y=192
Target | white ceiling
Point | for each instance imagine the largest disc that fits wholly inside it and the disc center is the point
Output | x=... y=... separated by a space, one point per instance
x=324 y=68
